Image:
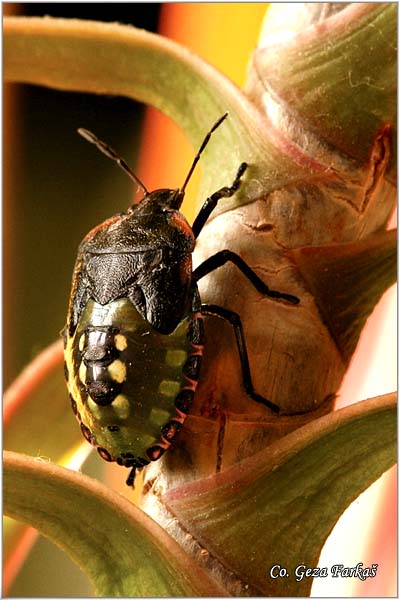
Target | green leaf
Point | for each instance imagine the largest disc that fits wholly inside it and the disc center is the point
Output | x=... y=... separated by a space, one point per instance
x=108 y=58
x=279 y=506
x=122 y=551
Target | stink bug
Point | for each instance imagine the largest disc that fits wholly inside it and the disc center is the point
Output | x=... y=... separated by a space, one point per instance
x=134 y=334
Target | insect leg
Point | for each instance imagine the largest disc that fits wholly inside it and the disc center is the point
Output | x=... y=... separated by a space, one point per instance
x=220 y=258
x=131 y=477
x=233 y=319
x=212 y=201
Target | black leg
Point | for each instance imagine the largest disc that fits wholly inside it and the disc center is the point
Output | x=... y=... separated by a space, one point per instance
x=211 y=202
x=219 y=259
x=233 y=318
x=131 y=478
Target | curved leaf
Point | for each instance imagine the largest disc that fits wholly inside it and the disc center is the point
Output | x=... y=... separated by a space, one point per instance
x=121 y=550
x=281 y=504
x=108 y=58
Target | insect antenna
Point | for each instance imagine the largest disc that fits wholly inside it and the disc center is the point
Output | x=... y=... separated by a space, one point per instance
x=203 y=145
x=110 y=153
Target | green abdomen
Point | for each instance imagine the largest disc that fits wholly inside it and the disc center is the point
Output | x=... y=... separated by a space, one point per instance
x=131 y=386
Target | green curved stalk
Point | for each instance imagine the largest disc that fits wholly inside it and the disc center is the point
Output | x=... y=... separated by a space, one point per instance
x=121 y=550
x=121 y=60
x=281 y=504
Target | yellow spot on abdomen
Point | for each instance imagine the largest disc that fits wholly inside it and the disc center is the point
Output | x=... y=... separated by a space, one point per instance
x=158 y=416
x=175 y=358
x=169 y=388
x=121 y=406
x=81 y=343
x=120 y=342
x=82 y=372
x=117 y=371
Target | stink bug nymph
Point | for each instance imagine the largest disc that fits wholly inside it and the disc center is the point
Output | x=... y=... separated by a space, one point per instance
x=134 y=335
